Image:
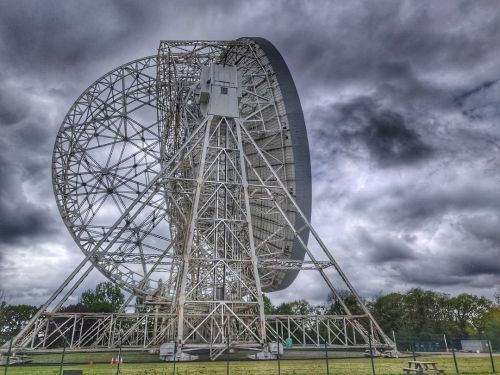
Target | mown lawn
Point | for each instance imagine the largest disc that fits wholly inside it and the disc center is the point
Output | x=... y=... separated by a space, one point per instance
x=467 y=365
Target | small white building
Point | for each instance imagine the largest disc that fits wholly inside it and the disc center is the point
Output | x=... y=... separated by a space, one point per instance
x=475 y=346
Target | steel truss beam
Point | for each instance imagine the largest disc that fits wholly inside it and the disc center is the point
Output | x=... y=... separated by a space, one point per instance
x=136 y=331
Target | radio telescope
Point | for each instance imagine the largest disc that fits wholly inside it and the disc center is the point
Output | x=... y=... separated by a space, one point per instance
x=185 y=179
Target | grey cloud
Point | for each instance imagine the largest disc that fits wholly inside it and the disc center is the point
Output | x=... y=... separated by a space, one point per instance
x=51 y=37
x=480 y=102
x=377 y=81
x=20 y=219
x=392 y=142
x=458 y=256
x=460 y=99
x=484 y=227
x=478 y=264
x=461 y=267
x=11 y=111
x=384 y=133
x=32 y=261
x=27 y=207
x=401 y=88
x=410 y=238
x=428 y=275
x=12 y=104
x=54 y=41
x=385 y=249
x=347 y=43
x=424 y=201
x=391 y=145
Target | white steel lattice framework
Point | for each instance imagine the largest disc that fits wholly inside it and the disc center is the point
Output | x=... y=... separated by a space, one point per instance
x=194 y=213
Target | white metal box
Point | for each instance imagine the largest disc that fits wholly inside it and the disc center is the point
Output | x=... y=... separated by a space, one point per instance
x=220 y=90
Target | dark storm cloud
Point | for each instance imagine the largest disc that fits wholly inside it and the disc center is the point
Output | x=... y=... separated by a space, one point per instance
x=347 y=43
x=420 y=203
x=54 y=39
x=385 y=249
x=384 y=133
x=25 y=196
x=460 y=99
x=452 y=268
x=51 y=36
x=467 y=256
x=473 y=265
x=12 y=108
x=481 y=101
x=428 y=275
x=401 y=88
x=484 y=227
x=21 y=220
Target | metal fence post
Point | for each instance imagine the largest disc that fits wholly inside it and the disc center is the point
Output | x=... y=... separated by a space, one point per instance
x=395 y=343
x=455 y=360
x=326 y=359
x=491 y=356
x=8 y=356
x=119 y=357
x=175 y=355
x=62 y=357
x=278 y=356
x=227 y=357
x=371 y=353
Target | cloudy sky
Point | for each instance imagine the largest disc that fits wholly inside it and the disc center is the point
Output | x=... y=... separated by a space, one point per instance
x=400 y=100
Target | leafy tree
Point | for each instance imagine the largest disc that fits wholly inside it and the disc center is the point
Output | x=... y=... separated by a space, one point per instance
x=76 y=308
x=334 y=306
x=469 y=313
x=389 y=311
x=492 y=324
x=416 y=314
x=106 y=297
x=425 y=313
x=297 y=307
x=422 y=314
x=13 y=318
x=268 y=305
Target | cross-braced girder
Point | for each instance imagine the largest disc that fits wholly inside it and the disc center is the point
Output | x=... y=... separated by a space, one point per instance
x=135 y=331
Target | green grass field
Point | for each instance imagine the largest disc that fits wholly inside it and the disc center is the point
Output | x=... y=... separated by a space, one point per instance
x=467 y=365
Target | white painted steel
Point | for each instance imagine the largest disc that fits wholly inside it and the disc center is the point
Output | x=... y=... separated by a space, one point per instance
x=195 y=200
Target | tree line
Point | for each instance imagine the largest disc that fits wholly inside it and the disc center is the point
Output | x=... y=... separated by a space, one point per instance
x=417 y=314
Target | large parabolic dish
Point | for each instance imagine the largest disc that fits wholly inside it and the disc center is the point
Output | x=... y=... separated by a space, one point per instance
x=185 y=178
x=125 y=126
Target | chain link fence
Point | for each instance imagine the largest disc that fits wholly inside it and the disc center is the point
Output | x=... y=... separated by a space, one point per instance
x=452 y=355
